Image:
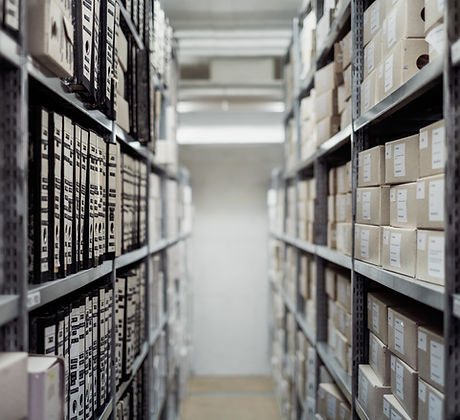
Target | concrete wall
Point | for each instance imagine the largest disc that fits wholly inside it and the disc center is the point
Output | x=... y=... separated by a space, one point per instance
x=229 y=256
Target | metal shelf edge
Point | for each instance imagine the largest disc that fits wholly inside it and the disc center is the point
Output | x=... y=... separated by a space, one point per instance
x=305 y=328
x=9 y=308
x=156 y=334
x=131 y=257
x=10 y=50
x=107 y=411
x=334 y=256
x=340 y=376
x=130 y=25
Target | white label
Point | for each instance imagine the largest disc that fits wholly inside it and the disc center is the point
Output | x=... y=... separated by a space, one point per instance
x=436 y=198
x=434 y=407
x=385 y=237
x=331 y=407
x=400 y=380
x=391 y=28
x=421 y=241
x=423 y=140
x=33 y=299
x=375 y=17
x=436 y=257
x=420 y=194
x=422 y=340
x=386 y=408
x=393 y=362
x=367 y=205
x=395 y=415
x=370 y=57
x=399 y=335
x=364 y=243
x=387 y=151
x=390 y=318
x=388 y=73
x=402 y=206
x=395 y=249
x=400 y=160
x=437 y=362
x=375 y=317
x=364 y=390
x=437 y=148
x=392 y=195
x=421 y=391
x=374 y=352
x=367 y=168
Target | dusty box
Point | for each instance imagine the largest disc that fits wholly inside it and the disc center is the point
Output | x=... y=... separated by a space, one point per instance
x=399 y=250
x=373 y=205
x=326 y=105
x=369 y=92
x=331 y=335
x=343 y=321
x=403 y=205
x=323 y=27
x=377 y=314
x=431 y=256
x=406 y=58
x=306 y=108
x=403 y=334
x=373 y=20
x=404 y=20
x=431 y=356
x=326 y=128
x=401 y=163
x=50 y=38
x=302 y=188
x=392 y=409
x=430 y=402
x=345 y=43
x=404 y=385
x=371 y=391
x=327 y=78
x=344 y=291
x=347 y=81
x=434 y=13
x=13 y=383
x=430 y=202
x=371 y=167
x=329 y=399
x=379 y=359
x=331 y=283
x=343 y=207
x=332 y=181
x=331 y=235
x=331 y=217
x=432 y=149
x=46 y=387
x=372 y=54
x=343 y=179
x=343 y=238
x=367 y=243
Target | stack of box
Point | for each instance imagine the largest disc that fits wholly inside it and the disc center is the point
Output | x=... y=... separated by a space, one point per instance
x=305 y=371
x=340 y=209
x=394 y=47
x=330 y=11
x=307 y=289
x=308 y=142
x=306 y=207
x=434 y=27
x=290 y=146
x=342 y=56
x=307 y=43
x=291 y=273
x=331 y=404
x=291 y=211
x=338 y=290
x=405 y=375
x=275 y=201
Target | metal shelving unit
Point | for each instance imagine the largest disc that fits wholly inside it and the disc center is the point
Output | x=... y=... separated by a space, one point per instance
x=19 y=75
x=439 y=79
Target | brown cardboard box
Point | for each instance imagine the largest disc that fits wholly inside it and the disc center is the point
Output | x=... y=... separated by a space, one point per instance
x=392 y=409
x=349 y=172
x=432 y=149
x=344 y=291
x=373 y=205
x=312 y=188
x=306 y=108
x=342 y=350
x=332 y=181
x=367 y=243
x=402 y=62
x=431 y=256
x=302 y=188
x=326 y=105
x=331 y=310
x=403 y=205
x=343 y=207
x=371 y=391
x=13 y=383
x=342 y=321
x=404 y=381
x=343 y=238
x=372 y=54
x=329 y=399
x=379 y=359
x=404 y=20
x=431 y=356
x=341 y=99
x=328 y=78
x=331 y=217
x=434 y=13
x=346 y=50
x=326 y=128
x=369 y=92
x=344 y=411
x=342 y=176
x=347 y=81
x=345 y=117
x=401 y=162
x=331 y=283
x=332 y=235
x=377 y=314
x=430 y=202
x=399 y=250
x=371 y=167
x=331 y=335
x=430 y=402
x=403 y=334
x=373 y=20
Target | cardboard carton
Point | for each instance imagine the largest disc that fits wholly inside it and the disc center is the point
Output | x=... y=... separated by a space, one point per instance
x=326 y=105
x=430 y=402
x=329 y=399
x=373 y=205
x=332 y=235
x=399 y=250
x=371 y=167
x=344 y=232
x=404 y=381
x=403 y=205
x=431 y=256
x=377 y=314
x=344 y=291
x=430 y=202
x=379 y=359
x=373 y=20
x=346 y=50
x=328 y=77
x=434 y=13
x=326 y=128
x=367 y=243
x=13 y=383
x=401 y=160
x=372 y=54
x=392 y=409
x=371 y=391
x=431 y=356
x=432 y=149
x=369 y=92
x=331 y=283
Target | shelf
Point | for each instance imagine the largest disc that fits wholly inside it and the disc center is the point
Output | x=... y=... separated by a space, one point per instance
x=131 y=257
x=305 y=328
x=427 y=293
x=130 y=25
x=411 y=90
x=106 y=414
x=10 y=50
x=130 y=142
x=334 y=256
x=342 y=379
x=156 y=334
x=360 y=410
x=40 y=295
x=136 y=366
x=9 y=308
x=455 y=53
x=338 y=24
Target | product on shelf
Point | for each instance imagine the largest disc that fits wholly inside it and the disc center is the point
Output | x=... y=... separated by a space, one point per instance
x=306 y=209
x=371 y=391
x=331 y=404
x=13 y=382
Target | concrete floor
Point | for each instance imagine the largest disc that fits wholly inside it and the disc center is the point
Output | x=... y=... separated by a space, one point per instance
x=230 y=398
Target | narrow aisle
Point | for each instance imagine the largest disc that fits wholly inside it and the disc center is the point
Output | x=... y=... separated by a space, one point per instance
x=230 y=398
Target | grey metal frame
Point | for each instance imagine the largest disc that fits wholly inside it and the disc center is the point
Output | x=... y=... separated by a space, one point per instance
x=445 y=299
x=17 y=297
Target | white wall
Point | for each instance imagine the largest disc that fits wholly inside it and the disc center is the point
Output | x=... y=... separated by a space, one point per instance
x=229 y=256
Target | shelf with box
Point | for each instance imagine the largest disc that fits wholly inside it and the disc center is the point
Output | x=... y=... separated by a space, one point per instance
x=10 y=50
